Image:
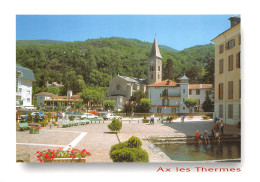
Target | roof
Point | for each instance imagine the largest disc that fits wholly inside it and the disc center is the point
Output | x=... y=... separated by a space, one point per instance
x=134 y=80
x=155 y=52
x=27 y=73
x=200 y=86
x=165 y=83
x=45 y=94
x=184 y=78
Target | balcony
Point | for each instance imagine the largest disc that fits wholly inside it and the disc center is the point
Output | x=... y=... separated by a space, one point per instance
x=169 y=96
x=19 y=103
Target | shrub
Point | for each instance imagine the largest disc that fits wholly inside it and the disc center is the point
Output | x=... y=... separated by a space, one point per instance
x=29 y=119
x=134 y=142
x=130 y=155
x=175 y=117
x=71 y=118
x=49 y=117
x=205 y=117
x=115 y=125
x=145 y=120
x=43 y=123
x=118 y=146
x=129 y=151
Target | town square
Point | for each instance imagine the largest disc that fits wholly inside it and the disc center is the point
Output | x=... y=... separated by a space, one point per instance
x=116 y=99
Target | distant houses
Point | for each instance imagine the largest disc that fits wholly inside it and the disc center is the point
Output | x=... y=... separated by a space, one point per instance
x=24 y=80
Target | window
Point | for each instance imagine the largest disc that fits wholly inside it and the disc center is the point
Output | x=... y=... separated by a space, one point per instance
x=197 y=92
x=230 y=63
x=183 y=91
x=173 y=110
x=159 y=110
x=158 y=68
x=238 y=60
x=239 y=39
x=230 y=111
x=221 y=66
x=183 y=108
x=230 y=90
x=28 y=99
x=118 y=86
x=28 y=92
x=158 y=76
x=220 y=91
x=221 y=49
x=151 y=76
x=230 y=44
x=220 y=114
x=190 y=92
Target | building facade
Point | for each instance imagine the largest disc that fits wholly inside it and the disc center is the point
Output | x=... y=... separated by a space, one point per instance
x=121 y=88
x=227 y=73
x=168 y=96
x=24 y=80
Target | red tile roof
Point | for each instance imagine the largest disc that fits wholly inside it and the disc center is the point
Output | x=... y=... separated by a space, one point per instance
x=165 y=83
x=200 y=86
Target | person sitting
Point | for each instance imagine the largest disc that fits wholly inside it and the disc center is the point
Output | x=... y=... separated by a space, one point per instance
x=197 y=137
x=206 y=137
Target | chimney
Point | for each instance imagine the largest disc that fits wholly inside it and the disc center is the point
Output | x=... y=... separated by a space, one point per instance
x=234 y=20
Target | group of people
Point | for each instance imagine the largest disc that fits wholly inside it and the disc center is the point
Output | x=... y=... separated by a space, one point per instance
x=217 y=130
x=200 y=138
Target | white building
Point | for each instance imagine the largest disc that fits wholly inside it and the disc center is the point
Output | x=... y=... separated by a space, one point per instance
x=42 y=96
x=24 y=79
x=167 y=96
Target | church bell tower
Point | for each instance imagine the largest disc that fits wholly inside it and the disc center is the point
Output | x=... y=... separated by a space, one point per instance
x=155 y=64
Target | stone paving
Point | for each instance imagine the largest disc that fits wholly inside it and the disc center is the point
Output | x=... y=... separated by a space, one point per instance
x=98 y=140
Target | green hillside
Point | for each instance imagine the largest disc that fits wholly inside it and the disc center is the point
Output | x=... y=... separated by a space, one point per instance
x=37 y=42
x=95 y=62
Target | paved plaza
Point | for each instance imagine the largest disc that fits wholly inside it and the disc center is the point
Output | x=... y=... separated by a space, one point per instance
x=97 y=139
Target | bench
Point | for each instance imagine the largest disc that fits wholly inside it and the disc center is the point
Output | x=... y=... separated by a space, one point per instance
x=65 y=124
x=96 y=120
x=83 y=122
x=166 y=120
x=23 y=126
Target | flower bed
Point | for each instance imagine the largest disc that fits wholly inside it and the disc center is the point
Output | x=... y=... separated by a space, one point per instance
x=34 y=130
x=59 y=155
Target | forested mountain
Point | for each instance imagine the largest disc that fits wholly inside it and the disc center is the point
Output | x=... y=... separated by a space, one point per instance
x=37 y=42
x=95 y=62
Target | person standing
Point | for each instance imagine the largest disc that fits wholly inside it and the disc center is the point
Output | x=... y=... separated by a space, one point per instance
x=152 y=119
x=182 y=118
x=222 y=127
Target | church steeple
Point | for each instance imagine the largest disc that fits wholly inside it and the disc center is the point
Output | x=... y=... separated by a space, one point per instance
x=155 y=64
x=155 y=52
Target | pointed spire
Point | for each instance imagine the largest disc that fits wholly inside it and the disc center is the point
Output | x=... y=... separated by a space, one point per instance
x=155 y=52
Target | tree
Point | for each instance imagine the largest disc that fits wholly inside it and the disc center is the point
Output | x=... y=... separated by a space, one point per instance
x=92 y=96
x=209 y=71
x=207 y=105
x=109 y=104
x=145 y=105
x=168 y=72
x=190 y=103
x=136 y=100
x=194 y=74
x=128 y=107
x=115 y=125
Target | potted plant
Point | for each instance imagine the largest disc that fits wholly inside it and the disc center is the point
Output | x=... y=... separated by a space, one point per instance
x=55 y=122
x=35 y=129
x=60 y=155
x=145 y=120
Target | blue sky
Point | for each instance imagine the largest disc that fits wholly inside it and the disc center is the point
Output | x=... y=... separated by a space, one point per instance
x=176 y=31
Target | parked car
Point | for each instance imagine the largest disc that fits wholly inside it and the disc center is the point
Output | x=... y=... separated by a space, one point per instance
x=76 y=114
x=88 y=115
x=110 y=116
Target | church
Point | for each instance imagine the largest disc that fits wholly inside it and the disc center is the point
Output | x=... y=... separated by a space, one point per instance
x=167 y=96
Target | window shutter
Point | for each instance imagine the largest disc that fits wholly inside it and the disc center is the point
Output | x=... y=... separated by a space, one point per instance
x=226 y=46
x=233 y=42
